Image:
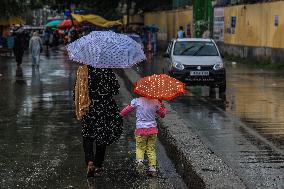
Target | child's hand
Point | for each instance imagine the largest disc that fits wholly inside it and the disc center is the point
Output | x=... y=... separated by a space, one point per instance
x=162 y=104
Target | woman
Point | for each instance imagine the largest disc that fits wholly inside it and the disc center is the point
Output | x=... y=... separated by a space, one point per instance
x=19 y=47
x=35 y=46
x=98 y=113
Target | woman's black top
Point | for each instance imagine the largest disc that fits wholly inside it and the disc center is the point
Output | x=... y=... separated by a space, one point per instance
x=102 y=122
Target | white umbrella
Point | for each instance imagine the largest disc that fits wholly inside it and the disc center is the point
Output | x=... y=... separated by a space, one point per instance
x=106 y=49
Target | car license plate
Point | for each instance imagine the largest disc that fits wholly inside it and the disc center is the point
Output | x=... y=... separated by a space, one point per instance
x=199 y=73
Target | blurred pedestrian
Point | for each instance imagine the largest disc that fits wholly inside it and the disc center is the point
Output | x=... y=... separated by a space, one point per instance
x=181 y=33
x=56 y=37
x=47 y=34
x=146 y=130
x=27 y=39
x=35 y=46
x=98 y=113
x=10 y=42
x=73 y=35
x=188 y=31
x=154 y=41
x=206 y=34
x=19 y=46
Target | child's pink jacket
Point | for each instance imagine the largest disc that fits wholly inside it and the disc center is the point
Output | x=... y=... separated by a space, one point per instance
x=146 y=112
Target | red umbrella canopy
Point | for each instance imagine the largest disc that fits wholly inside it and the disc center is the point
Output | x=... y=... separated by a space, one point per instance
x=162 y=87
x=67 y=24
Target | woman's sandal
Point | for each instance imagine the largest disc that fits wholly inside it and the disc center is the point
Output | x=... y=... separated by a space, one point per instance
x=98 y=171
x=90 y=169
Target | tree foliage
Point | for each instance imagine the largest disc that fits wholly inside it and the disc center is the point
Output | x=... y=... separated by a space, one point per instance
x=105 y=8
x=11 y=7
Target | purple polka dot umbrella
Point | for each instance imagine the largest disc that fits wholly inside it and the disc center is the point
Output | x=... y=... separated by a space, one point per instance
x=106 y=49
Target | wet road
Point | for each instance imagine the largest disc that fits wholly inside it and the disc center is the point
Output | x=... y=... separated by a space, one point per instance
x=245 y=127
x=40 y=138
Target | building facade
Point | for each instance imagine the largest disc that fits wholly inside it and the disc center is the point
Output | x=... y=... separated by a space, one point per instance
x=246 y=30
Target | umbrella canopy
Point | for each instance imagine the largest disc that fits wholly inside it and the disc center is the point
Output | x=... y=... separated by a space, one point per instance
x=96 y=20
x=15 y=21
x=11 y=21
x=162 y=87
x=53 y=23
x=106 y=49
x=3 y=22
x=67 y=24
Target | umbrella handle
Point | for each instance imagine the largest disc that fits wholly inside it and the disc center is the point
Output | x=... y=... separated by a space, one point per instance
x=162 y=104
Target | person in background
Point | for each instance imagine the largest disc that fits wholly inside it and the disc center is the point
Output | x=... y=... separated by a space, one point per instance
x=27 y=39
x=3 y=42
x=10 y=42
x=35 y=46
x=73 y=35
x=19 y=46
x=181 y=33
x=206 y=34
x=188 y=31
x=47 y=34
x=56 y=37
x=154 y=42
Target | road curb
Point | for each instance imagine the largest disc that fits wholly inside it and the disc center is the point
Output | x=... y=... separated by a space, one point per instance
x=199 y=167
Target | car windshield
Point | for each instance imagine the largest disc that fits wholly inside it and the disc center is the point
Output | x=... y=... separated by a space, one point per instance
x=195 y=48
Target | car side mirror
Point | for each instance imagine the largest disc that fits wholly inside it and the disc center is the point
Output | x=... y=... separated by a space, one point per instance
x=166 y=55
x=222 y=56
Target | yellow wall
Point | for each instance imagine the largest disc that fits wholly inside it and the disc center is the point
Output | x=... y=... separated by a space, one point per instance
x=169 y=21
x=255 y=25
x=133 y=19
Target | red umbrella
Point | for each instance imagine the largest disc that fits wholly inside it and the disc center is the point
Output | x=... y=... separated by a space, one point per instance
x=162 y=87
x=67 y=24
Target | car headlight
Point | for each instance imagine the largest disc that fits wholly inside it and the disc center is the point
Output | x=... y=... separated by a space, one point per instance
x=218 y=66
x=178 y=66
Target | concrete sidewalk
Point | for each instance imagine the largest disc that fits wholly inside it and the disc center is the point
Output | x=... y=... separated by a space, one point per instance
x=199 y=167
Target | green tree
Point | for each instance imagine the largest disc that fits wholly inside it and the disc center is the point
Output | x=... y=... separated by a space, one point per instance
x=105 y=8
x=11 y=7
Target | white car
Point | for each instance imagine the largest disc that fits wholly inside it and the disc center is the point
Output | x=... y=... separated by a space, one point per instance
x=196 y=61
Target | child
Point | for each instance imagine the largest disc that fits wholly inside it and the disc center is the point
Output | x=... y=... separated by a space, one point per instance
x=146 y=130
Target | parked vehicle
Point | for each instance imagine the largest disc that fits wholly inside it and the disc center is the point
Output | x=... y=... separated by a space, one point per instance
x=196 y=61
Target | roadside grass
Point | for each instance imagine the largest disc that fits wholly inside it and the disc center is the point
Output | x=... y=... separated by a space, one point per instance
x=257 y=64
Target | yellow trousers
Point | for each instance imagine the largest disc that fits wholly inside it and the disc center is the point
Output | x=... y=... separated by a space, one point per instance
x=146 y=143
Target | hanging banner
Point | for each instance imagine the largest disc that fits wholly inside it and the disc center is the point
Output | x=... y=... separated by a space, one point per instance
x=219 y=26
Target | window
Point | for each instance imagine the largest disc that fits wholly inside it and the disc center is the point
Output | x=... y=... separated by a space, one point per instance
x=233 y=24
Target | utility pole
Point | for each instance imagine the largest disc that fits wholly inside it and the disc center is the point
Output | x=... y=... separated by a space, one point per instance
x=128 y=13
x=71 y=6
